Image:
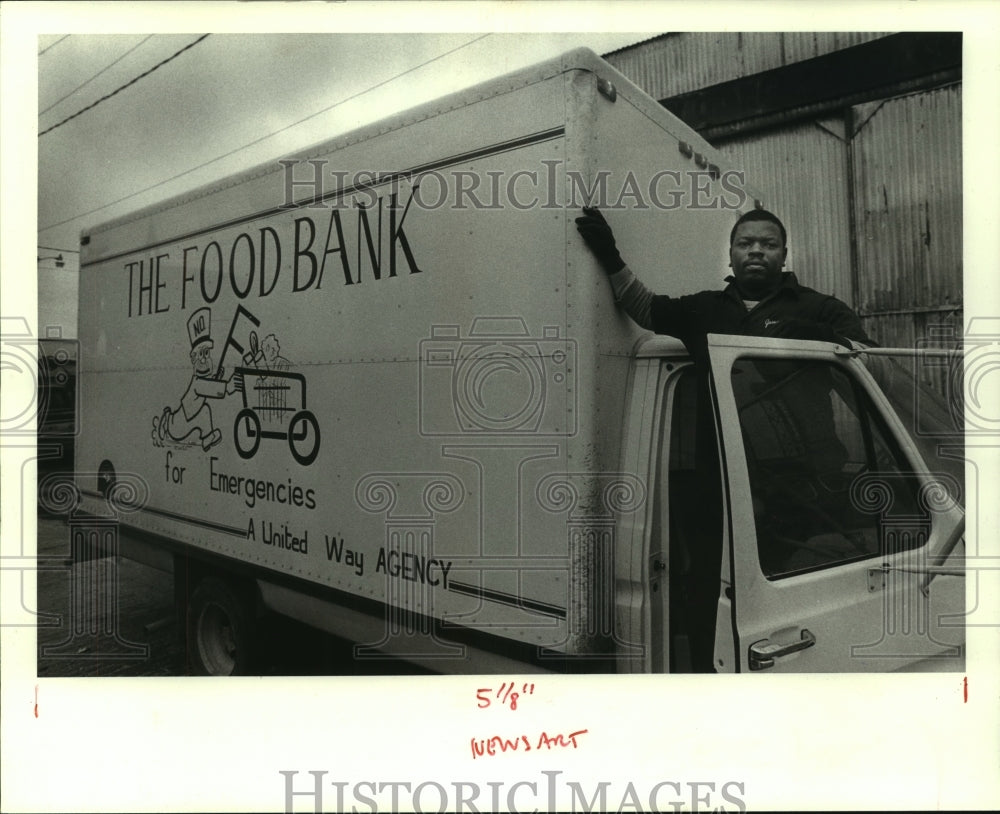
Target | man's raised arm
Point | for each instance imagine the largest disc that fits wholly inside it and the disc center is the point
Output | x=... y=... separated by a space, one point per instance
x=630 y=293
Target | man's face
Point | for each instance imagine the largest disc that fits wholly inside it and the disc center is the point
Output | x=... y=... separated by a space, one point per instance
x=757 y=255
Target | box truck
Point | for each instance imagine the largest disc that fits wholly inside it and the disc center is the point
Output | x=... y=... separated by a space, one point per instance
x=380 y=386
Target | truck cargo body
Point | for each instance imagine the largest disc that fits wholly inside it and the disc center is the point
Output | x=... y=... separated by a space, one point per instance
x=382 y=387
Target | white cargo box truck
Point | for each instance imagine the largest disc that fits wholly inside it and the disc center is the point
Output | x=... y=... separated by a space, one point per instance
x=382 y=387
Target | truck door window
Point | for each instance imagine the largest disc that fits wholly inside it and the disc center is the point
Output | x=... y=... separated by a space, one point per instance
x=810 y=436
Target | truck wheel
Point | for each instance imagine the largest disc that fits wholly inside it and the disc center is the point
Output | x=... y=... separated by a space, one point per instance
x=220 y=634
x=246 y=431
x=303 y=437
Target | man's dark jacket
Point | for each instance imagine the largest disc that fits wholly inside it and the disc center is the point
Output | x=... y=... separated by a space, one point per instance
x=691 y=317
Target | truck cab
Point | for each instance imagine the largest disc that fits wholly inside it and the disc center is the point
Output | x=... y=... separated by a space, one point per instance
x=793 y=523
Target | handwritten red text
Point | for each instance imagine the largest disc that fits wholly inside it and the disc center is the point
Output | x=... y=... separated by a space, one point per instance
x=507 y=694
x=482 y=747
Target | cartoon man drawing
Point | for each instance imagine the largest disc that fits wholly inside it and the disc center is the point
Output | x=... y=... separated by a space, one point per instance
x=271 y=350
x=274 y=394
x=194 y=415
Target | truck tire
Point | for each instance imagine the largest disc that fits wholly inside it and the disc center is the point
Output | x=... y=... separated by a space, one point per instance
x=220 y=630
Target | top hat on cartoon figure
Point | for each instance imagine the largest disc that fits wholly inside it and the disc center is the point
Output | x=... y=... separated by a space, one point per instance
x=199 y=328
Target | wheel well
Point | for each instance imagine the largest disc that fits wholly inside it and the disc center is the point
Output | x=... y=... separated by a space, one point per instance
x=190 y=570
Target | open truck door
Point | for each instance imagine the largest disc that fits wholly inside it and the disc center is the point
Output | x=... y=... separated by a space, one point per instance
x=837 y=535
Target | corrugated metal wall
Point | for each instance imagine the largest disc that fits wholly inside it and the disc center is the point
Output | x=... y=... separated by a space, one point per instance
x=885 y=176
x=906 y=163
x=803 y=172
x=908 y=202
x=679 y=63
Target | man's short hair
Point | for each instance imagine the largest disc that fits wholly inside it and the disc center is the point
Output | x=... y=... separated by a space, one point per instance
x=760 y=214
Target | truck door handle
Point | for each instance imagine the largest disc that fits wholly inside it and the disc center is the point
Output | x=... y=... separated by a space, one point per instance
x=763 y=653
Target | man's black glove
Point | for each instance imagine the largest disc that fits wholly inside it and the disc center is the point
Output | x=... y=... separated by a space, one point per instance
x=806 y=329
x=600 y=240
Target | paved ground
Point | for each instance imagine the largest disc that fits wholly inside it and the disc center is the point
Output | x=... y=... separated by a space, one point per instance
x=111 y=617
x=92 y=635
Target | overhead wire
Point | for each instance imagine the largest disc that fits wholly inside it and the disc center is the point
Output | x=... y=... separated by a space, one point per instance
x=57 y=249
x=264 y=138
x=107 y=67
x=50 y=47
x=144 y=74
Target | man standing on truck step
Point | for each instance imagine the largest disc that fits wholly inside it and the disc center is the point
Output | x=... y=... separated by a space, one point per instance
x=194 y=416
x=759 y=300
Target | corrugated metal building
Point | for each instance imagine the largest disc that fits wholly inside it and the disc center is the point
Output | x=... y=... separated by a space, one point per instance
x=855 y=140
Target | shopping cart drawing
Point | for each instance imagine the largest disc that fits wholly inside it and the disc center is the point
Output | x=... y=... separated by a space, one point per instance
x=274 y=406
x=274 y=399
